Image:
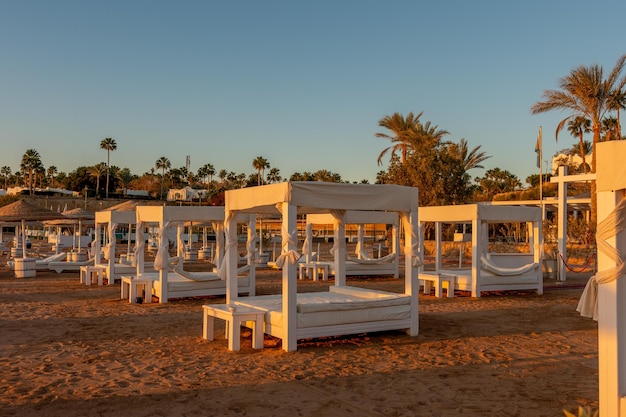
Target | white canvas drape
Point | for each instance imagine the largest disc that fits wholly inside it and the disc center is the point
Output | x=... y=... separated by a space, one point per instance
x=413 y=250
x=338 y=219
x=289 y=238
x=613 y=224
x=218 y=257
x=162 y=256
x=139 y=245
x=231 y=244
x=111 y=241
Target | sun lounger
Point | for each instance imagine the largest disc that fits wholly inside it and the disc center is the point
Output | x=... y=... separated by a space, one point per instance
x=61 y=266
x=42 y=264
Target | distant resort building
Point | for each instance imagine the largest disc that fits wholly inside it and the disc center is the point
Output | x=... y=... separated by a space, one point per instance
x=572 y=161
x=185 y=194
x=38 y=191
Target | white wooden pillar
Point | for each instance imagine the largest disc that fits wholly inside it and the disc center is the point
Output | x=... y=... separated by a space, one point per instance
x=339 y=243
x=231 y=256
x=290 y=290
x=411 y=282
x=96 y=259
x=611 y=321
x=479 y=230
x=437 y=246
x=251 y=255
x=140 y=240
x=562 y=223
x=395 y=239
x=309 y=238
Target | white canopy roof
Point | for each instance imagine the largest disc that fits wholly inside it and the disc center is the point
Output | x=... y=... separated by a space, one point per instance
x=357 y=217
x=120 y=217
x=164 y=214
x=481 y=211
x=322 y=197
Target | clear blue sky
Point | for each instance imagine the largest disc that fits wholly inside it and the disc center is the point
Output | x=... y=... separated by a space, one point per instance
x=302 y=84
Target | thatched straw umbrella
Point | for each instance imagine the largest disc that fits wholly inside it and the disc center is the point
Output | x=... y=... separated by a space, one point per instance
x=23 y=211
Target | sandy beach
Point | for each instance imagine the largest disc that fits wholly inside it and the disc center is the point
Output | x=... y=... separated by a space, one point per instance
x=71 y=350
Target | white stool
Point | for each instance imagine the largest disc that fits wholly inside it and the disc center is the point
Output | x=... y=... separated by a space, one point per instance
x=438 y=280
x=313 y=269
x=130 y=288
x=89 y=272
x=234 y=315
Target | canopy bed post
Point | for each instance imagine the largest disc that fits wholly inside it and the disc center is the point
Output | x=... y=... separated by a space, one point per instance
x=290 y=290
x=339 y=248
x=480 y=231
x=163 y=246
x=411 y=262
x=309 y=238
x=138 y=251
x=437 y=247
x=395 y=236
x=251 y=255
x=231 y=257
x=97 y=244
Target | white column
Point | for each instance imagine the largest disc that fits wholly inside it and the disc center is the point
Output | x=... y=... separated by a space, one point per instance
x=290 y=290
x=611 y=321
x=340 y=254
x=231 y=256
x=437 y=246
x=562 y=222
x=251 y=258
x=411 y=282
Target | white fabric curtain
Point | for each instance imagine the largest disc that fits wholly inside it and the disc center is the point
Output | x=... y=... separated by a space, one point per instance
x=338 y=219
x=111 y=241
x=162 y=256
x=613 y=224
x=289 y=238
x=139 y=245
x=414 y=249
x=231 y=244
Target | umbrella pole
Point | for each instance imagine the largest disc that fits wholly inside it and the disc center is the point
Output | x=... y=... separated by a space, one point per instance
x=23 y=238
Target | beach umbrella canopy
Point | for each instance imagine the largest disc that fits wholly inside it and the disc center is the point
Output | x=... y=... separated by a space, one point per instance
x=23 y=211
x=81 y=216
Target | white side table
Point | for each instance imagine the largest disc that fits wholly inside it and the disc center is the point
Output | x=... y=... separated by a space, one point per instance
x=130 y=288
x=234 y=315
x=438 y=280
x=313 y=269
x=89 y=272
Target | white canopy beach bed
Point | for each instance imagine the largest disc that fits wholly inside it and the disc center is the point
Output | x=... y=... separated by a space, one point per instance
x=174 y=282
x=106 y=226
x=361 y=264
x=342 y=310
x=489 y=271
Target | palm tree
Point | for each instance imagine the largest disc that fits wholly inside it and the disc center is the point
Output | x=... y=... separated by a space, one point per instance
x=577 y=128
x=470 y=159
x=610 y=127
x=207 y=170
x=110 y=145
x=585 y=93
x=97 y=171
x=402 y=130
x=6 y=172
x=30 y=162
x=125 y=177
x=274 y=175
x=618 y=103
x=52 y=172
x=260 y=164
x=163 y=163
